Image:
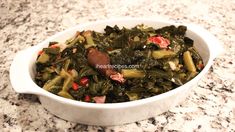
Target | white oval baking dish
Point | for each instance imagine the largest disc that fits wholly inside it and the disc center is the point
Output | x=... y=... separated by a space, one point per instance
x=23 y=67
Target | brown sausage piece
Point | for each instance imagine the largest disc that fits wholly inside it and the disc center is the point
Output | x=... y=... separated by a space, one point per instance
x=101 y=62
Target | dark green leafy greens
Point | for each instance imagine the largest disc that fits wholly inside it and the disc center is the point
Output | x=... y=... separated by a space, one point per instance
x=164 y=59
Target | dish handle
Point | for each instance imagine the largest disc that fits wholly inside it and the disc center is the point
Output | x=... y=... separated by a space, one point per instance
x=20 y=78
x=214 y=44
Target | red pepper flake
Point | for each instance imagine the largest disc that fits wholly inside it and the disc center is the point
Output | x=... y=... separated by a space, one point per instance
x=160 y=41
x=87 y=98
x=84 y=81
x=200 y=66
x=40 y=52
x=75 y=86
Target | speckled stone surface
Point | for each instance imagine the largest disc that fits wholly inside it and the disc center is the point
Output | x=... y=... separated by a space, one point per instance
x=209 y=107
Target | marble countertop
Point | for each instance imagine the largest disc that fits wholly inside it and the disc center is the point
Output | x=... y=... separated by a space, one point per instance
x=209 y=107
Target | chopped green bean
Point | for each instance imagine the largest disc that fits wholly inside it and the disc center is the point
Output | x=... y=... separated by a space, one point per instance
x=188 y=61
x=64 y=74
x=136 y=38
x=70 y=40
x=191 y=75
x=46 y=76
x=43 y=58
x=47 y=86
x=132 y=73
x=159 y=54
x=55 y=89
x=68 y=79
x=160 y=74
x=66 y=64
x=88 y=36
x=67 y=84
x=79 y=39
x=65 y=94
x=89 y=39
x=74 y=73
x=52 y=50
x=132 y=96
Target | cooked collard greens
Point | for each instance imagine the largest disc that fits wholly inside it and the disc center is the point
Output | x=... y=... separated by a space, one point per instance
x=118 y=65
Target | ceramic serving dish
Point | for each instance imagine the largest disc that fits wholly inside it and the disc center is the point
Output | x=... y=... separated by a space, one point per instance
x=22 y=73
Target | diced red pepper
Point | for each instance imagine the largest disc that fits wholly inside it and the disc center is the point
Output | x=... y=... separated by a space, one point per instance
x=160 y=41
x=84 y=81
x=75 y=86
x=87 y=98
x=40 y=52
x=99 y=99
x=200 y=66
